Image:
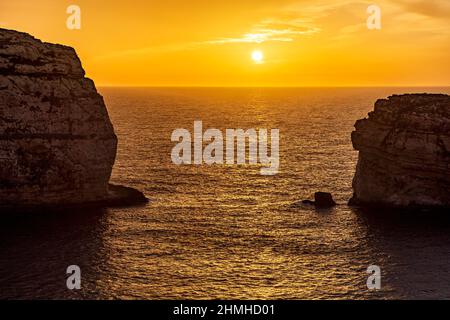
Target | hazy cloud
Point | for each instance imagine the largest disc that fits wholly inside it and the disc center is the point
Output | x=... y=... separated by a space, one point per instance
x=340 y=19
x=272 y=30
x=431 y=8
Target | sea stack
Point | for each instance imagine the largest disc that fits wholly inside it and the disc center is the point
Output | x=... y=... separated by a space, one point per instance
x=404 y=153
x=57 y=143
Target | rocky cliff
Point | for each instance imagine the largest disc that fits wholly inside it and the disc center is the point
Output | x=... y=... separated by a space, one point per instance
x=57 y=144
x=404 y=153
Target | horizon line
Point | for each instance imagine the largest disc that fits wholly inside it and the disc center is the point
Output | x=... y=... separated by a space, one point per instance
x=281 y=87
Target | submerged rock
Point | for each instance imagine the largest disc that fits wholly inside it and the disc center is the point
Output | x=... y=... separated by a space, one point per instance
x=321 y=200
x=57 y=143
x=404 y=153
x=324 y=200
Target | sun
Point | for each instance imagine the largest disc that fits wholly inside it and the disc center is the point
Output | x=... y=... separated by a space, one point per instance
x=258 y=56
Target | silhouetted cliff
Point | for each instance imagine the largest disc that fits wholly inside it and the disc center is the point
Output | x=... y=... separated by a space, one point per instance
x=57 y=143
x=404 y=152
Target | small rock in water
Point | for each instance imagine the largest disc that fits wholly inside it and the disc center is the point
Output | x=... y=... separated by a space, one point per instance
x=323 y=200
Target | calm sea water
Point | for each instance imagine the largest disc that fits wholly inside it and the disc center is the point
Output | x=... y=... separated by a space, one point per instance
x=226 y=231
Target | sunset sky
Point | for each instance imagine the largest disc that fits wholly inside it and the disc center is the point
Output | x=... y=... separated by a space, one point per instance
x=210 y=43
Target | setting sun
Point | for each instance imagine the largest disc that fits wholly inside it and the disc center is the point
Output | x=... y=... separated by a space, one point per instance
x=257 y=56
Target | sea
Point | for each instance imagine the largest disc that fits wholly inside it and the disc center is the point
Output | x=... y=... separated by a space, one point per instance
x=226 y=231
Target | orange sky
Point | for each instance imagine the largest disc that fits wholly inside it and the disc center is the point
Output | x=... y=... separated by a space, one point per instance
x=209 y=43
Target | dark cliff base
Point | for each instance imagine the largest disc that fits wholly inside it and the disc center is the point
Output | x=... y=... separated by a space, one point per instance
x=118 y=197
x=376 y=207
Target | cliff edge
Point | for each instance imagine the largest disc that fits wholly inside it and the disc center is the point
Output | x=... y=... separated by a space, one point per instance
x=404 y=153
x=57 y=143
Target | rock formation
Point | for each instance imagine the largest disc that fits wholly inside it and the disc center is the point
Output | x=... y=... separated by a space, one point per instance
x=57 y=143
x=404 y=153
x=322 y=200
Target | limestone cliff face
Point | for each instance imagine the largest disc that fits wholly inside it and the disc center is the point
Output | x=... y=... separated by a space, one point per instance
x=404 y=153
x=57 y=144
